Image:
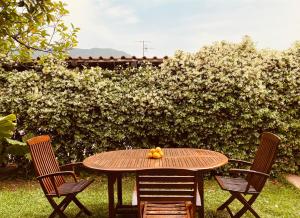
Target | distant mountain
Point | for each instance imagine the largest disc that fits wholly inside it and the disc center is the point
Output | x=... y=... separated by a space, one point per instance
x=93 y=52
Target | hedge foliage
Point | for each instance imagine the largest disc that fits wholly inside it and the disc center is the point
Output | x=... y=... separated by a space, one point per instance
x=219 y=98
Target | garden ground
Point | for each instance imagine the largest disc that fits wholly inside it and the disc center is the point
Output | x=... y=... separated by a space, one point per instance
x=24 y=198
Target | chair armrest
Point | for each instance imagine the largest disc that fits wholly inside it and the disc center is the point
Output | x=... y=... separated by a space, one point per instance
x=71 y=166
x=240 y=162
x=61 y=173
x=236 y=171
x=52 y=179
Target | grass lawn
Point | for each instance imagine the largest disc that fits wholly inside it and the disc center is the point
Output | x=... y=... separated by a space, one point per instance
x=19 y=198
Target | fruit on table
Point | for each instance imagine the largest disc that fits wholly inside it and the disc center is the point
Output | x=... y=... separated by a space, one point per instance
x=153 y=150
x=155 y=153
x=150 y=155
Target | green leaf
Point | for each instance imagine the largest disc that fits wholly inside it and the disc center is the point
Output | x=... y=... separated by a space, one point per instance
x=15 y=142
x=7 y=126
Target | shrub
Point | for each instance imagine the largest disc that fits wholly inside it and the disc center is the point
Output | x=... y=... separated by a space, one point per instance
x=220 y=98
x=9 y=146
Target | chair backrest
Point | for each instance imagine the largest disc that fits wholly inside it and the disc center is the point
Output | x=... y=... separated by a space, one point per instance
x=166 y=185
x=264 y=159
x=44 y=161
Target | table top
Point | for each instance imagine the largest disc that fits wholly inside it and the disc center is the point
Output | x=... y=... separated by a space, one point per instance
x=135 y=159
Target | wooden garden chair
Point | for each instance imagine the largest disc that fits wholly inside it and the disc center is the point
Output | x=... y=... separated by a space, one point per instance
x=255 y=177
x=52 y=179
x=169 y=193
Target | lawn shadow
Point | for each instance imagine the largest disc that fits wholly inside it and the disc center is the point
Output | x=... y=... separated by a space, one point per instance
x=216 y=214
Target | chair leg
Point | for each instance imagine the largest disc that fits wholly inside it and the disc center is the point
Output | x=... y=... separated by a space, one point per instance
x=190 y=210
x=200 y=181
x=247 y=205
x=226 y=203
x=229 y=211
x=80 y=205
x=59 y=209
x=141 y=208
x=64 y=206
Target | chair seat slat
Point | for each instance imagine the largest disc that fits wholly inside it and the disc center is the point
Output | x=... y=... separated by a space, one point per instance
x=167 y=192
x=166 y=185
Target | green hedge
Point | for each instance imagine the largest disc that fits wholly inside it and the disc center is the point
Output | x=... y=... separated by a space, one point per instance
x=219 y=98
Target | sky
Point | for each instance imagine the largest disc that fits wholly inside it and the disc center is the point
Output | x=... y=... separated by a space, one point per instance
x=170 y=25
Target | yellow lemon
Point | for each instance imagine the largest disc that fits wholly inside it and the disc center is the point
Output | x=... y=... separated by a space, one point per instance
x=157 y=149
x=149 y=155
x=161 y=153
x=152 y=150
x=156 y=155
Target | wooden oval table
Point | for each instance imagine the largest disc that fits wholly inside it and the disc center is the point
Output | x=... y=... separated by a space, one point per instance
x=114 y=163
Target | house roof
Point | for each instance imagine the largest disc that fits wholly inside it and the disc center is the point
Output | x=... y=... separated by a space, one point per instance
x=112 y=62
x=105 y=63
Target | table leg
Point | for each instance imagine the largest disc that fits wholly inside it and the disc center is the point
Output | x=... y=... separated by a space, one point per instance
x=119 y=188
x=111 y=202
x=201 y=193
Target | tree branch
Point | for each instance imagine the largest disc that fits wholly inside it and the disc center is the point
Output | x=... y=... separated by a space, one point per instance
x=28 y=46
x=54 y=29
